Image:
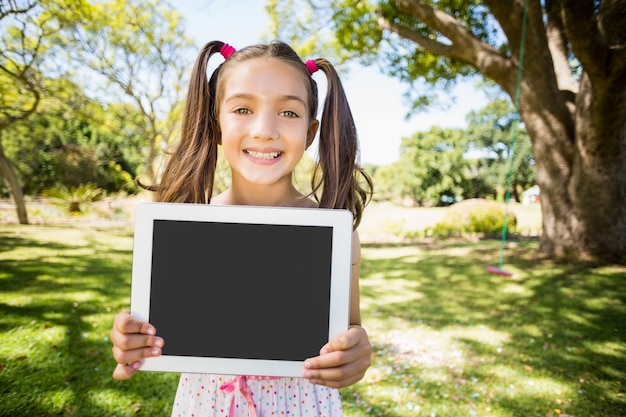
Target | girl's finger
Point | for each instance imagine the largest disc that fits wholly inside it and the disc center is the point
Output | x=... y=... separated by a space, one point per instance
x=330 y=360
x=125 y=323
x=135 y=355
x=336 y=377
x=125 y=371
x=135 y=341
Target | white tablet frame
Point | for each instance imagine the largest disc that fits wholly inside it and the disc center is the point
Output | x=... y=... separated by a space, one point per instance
x=147 y=213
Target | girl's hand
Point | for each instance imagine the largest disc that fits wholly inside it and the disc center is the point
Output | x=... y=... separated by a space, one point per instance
x=342 y=361
x=133 y=340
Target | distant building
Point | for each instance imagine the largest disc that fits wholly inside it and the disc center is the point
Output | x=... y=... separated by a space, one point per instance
x=531 y=195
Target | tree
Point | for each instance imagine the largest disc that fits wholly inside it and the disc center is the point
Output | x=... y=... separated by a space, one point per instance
x=29 y=38
x=432 y=169
x=572 y=95
x=72 y=140
x=143 y=54
x=386 y=183
x=491 y=132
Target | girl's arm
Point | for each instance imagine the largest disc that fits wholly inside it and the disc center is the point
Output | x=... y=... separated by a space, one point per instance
x=344 y=360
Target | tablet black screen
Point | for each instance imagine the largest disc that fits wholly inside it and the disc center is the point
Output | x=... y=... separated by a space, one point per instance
x=233 y=290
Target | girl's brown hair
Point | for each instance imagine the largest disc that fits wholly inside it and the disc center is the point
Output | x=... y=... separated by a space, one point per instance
x=338 y=181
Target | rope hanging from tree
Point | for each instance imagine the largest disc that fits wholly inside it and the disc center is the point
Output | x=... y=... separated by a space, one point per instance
x=509 y=178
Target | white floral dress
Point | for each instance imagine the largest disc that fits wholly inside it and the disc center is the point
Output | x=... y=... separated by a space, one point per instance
x=202 y=395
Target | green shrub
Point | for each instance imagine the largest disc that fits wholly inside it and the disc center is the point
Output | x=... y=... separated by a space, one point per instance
x=113 y=178
x=394 y=227
x=73 y=197
x=474 y=217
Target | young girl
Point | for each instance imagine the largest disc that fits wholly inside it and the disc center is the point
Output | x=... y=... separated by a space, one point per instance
x=260 y=105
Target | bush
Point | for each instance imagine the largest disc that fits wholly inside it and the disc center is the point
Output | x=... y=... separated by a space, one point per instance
x=73 y=197
x=475 y=217
x=113 y=178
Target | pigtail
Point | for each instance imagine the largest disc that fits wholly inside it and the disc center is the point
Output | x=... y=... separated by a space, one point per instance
x=189 y=174
x=343 y=183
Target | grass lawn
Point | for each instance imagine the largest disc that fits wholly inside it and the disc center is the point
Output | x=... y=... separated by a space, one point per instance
x=452 y=340
x=60 y=288
x=449 y=339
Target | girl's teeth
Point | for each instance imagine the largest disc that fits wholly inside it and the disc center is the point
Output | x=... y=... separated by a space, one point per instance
x=262 y=155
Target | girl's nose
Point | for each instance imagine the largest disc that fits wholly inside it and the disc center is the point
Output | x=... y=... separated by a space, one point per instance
x=265 y=126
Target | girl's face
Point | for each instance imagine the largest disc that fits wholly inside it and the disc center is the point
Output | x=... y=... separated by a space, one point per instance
x=264 y=121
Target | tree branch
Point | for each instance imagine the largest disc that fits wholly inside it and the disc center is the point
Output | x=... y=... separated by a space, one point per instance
x=464 y=46
x=583 y=32
x=24 y=112
x=431 y=45
x=14 y=9
x=462 y=40
x=611 y=23
x=557 y=43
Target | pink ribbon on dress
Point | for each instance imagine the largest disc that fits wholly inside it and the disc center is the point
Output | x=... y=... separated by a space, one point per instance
x=240 y=384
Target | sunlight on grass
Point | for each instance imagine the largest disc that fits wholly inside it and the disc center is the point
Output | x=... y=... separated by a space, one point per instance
x=448 y=338
x=613 y=349
x=397 y=290
x=477 y=344
x=56 y=398
x=528 y=389
x=105 y=398
x=515 y=289
x=393 y=252
x=19 y=300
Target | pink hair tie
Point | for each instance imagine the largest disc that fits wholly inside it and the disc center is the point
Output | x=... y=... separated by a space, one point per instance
x=226 y=50
x=310 y=64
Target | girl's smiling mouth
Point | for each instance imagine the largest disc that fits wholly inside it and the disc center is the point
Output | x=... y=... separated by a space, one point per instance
x=263 y=155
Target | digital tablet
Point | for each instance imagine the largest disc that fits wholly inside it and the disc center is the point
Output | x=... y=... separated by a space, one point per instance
x=240 y=290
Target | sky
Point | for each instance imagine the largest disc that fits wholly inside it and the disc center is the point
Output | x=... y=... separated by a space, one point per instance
x=375 y=100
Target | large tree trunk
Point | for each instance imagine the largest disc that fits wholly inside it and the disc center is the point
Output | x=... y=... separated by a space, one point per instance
x=584 y=212
x=580 y=163
x=598 y=184
x=596 y=220
x=579 y=144
x=12 y=184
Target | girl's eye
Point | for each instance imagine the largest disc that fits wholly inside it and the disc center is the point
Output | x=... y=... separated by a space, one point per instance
x=242 y=110
x=289 y=113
